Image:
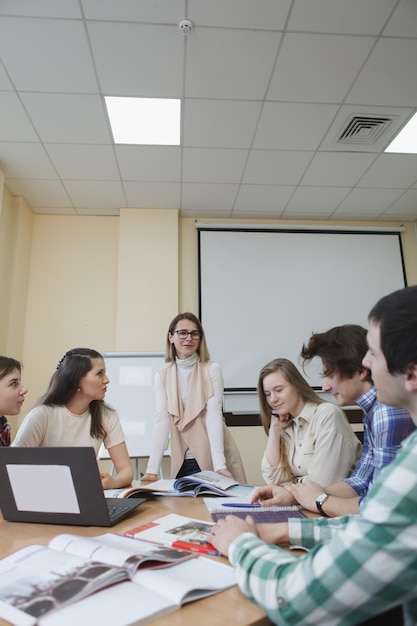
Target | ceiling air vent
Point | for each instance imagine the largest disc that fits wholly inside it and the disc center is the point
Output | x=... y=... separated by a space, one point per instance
x=364 y=129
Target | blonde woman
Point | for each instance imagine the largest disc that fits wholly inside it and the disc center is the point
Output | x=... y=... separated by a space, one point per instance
x=308 y=438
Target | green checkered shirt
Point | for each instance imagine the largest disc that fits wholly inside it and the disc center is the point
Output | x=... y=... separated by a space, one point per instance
x=358 y=565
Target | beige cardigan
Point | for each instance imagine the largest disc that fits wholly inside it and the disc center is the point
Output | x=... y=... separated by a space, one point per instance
x=188 y=424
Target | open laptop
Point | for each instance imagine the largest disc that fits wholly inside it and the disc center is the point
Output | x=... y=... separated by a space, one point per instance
x=57 y=486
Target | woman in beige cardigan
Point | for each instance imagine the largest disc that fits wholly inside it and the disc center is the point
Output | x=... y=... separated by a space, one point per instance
x=189 y=408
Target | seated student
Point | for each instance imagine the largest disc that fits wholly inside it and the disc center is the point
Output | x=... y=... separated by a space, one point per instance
x=360 y=565
x=189 y=407
x=341 y=350
x=12 y=395
x=308 y=438
x=73 y=413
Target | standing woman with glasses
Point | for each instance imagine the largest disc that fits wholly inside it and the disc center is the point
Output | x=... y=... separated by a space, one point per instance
x=12 y=395
x=189 y=407
x=73 y=413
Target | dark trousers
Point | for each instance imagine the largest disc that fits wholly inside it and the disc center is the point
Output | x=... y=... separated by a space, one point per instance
x=190 y=466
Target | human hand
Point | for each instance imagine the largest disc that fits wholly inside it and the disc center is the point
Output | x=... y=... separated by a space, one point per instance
x=225 y=472
x=272 y=495
x=276 y=533
x=305 y=493
x=149 y=478
x=107 y=481
x=281 y=420
x=228 y=529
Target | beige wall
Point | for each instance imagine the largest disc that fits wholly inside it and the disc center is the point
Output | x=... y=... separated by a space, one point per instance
x=110 y=283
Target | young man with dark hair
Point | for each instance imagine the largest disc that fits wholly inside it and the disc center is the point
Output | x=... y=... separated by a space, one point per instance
x=360 y=565
x=341 y=350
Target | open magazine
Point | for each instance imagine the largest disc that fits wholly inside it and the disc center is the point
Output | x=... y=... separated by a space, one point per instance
x=58 y=584
x=201 y=483
x=177 y=531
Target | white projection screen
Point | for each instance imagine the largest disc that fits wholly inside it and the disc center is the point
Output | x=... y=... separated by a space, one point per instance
x=262 y=293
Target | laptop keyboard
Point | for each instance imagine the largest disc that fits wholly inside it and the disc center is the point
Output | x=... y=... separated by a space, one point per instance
x=117 y=513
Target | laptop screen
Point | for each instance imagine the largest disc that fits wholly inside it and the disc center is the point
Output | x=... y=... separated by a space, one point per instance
x=52 y=485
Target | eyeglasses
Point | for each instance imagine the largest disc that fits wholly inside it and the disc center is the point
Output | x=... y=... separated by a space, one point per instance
x=183 y=334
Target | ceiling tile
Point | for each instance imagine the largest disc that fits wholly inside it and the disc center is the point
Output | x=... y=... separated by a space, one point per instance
x=272 y=167
x=42 y=8
x=262 y=14
x=14 y=122
x=227 y=63
x=123 y=68
x=156 y=11
x=25 y=160
x=84 y=162
x=5 y=83
x=293 y=126
x=148 y=195
x=213 y=166
x=41 y=193
x=337 y=169
x=53 y=66
x=149 y=163
x=317 y=68
x=403 y=21
x=365 y=17
x=389 y=76
x=320 y=199
x=369 y=200
x=89 y=194
x=57 y=117
x=208 y=199
x=406 y=203
x=391 y=170
x=264 y=198
x=220 y=123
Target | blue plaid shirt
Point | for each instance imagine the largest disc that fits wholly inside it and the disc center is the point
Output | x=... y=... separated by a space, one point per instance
x=385 y=428
x=358 y=566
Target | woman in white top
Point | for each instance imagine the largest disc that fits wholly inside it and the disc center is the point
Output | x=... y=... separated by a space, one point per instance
x=73 y=413
x=308 y=438
x=189 y=408
x=12 y=395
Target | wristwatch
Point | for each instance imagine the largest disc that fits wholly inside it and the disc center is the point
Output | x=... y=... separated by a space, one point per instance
x=320 y=500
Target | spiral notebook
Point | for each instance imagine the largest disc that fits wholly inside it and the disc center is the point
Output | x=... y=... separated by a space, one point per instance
x=219 y=508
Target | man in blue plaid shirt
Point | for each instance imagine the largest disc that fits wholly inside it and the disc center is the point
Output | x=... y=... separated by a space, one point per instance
x=360 y=565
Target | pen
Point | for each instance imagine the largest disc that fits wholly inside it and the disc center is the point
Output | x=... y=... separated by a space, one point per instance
x=244 y=505
x=195 y=547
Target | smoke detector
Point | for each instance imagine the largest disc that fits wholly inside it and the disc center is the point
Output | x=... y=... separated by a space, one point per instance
x=185 y=26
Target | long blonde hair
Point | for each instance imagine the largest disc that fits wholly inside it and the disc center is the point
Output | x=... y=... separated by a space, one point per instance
x=296 y=380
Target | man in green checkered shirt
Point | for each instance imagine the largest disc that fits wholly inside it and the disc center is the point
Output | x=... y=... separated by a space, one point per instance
x=360 y=565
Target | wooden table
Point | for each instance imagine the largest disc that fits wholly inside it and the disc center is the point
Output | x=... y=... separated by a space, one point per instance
x=229 y=606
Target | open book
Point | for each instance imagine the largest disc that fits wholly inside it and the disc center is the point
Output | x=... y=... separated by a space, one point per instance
x=201 y=483
x=177 y=531
x=59 y=584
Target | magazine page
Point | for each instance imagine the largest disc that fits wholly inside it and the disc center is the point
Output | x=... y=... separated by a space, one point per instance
x=124 y=604
x=37 y=579
x=193 y=580
x=119 y=551
x=207 y=477
x=178 y=531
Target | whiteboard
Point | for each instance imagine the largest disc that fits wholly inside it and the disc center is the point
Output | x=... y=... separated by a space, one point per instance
x=131 y=393
x=263 y=293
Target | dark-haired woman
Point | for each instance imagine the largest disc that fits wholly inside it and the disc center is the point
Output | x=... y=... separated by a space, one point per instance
x=73 y=413
x=189 y=408
x=12 y=395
